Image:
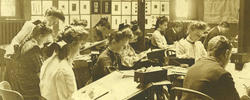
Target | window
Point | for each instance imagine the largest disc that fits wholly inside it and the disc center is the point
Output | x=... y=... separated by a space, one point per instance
x=8 y=8
x=38 y=8
x=181 y=8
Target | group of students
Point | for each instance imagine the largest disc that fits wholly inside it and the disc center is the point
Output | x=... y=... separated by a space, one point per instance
x=42 y=59
x=211 y=50
x=190 y=43
x=45 y=58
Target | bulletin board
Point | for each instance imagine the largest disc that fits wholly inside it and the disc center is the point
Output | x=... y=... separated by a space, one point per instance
x=92 y=10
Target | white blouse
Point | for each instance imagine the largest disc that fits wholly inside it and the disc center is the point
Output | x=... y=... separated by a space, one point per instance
x=185 y=49
x=159 y=40
x=57 y=79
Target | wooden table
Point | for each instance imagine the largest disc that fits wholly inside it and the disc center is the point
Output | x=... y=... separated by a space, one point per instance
x=118 y=85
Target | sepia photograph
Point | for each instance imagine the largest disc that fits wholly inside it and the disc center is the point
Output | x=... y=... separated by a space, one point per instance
x=124 y=49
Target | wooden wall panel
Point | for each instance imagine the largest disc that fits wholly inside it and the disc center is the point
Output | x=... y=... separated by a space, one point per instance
x=8 y=29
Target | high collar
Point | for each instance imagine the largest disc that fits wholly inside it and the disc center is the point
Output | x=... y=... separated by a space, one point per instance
x=190 y=40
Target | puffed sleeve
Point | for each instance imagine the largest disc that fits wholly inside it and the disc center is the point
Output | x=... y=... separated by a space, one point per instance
x=180 y=50
x=159 y=41
x=65 y=84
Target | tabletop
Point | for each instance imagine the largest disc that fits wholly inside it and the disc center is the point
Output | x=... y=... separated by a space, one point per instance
x=114 y=86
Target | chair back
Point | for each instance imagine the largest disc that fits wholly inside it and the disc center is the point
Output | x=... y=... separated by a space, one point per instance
x=198 y=95
x=8 y=94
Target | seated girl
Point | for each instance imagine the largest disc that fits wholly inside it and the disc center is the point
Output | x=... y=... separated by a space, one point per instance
x=191 y=47
x=57 y=79
x=158 y=40
x=110 y=60
x=24 y=78
x=128 y=55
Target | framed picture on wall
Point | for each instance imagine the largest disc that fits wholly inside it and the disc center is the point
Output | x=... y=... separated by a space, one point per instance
x=126 y=8
x=116 y=20
x=156 y=7
x=106 y=7
x=116 y=8
x=148 y=8
x=95 y=7
x=148 y=22
x=74 y=7
x=46 y=5
x=64 y=6
x=164 y=7
x=134 y=8
x=36 y=7
x=85 y=7
x=126 y=19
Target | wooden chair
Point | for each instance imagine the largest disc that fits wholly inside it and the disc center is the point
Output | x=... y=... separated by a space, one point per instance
x=7 y=93
x=199 y=95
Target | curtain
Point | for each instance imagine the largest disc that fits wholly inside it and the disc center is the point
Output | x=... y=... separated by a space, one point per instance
x=221 y=10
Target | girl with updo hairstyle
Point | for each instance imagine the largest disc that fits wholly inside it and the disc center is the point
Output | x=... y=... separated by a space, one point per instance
x=24 y=77
x=158 y=40
x=128 y=55
x=57 y=79
x=110 y=59
x=100 y=31
x=136 y=42
x=191 y=47
x=51 y=18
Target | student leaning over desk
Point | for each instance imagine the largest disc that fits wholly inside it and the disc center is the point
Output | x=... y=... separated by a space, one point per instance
x=24 y=76
x=57 y=79
x=52 y=16
x=110 y=59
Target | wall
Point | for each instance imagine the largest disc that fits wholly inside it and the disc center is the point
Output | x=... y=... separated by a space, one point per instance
x=8 y=29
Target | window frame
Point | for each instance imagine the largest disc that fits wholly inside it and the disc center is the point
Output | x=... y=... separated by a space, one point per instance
x=17 y=11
